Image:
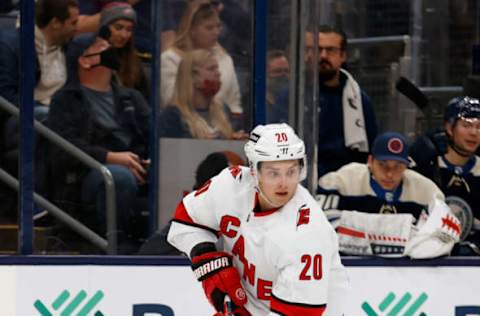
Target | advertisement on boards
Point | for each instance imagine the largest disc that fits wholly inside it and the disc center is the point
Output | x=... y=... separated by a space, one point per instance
x=170 y=290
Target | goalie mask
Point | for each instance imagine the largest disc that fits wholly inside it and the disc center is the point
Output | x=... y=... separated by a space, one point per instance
x=275 y=142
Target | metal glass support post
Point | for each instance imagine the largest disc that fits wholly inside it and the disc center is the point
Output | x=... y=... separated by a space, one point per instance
x=295 y=51
x=154 y=170
x=260 y=66
x=25 y=163
x=417 y=29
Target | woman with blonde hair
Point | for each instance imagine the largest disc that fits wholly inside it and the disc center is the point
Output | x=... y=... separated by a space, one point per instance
x=200 y=28
x=193 y=110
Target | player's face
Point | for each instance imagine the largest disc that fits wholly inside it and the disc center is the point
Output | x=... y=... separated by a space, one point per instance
x=466 y=134
x=278 y=181
x=122 y=31
x=388 y=173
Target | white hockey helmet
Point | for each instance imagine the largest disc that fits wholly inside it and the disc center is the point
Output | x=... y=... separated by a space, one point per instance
x=275 y=142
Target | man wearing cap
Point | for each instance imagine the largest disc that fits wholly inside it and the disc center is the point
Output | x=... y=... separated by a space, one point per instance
x=382 y=208
x=449 y=159
x=107 y=121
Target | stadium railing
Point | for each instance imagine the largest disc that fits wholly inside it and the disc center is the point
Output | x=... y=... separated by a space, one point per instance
x=110 y=244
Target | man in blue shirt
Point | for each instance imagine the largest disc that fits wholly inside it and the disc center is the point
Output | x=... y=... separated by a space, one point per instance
x=347 y=124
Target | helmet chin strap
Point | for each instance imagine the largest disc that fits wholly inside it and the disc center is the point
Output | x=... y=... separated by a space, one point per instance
x=460 y=151
x=257 y=187
x=267 y=199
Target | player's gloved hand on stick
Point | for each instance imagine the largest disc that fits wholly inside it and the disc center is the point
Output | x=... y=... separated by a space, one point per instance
x=236 y=311
x=219 y=278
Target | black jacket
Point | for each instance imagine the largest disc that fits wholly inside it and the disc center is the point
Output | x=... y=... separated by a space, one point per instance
x=71 y=116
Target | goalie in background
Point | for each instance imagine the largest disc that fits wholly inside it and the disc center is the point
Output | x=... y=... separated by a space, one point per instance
x=456 y=169
x=382 y=208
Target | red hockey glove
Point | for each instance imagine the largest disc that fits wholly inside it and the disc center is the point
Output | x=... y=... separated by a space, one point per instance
x=220 y=278
x=239 y=311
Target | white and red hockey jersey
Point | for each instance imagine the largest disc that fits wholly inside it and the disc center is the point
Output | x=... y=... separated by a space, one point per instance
x=288 y=258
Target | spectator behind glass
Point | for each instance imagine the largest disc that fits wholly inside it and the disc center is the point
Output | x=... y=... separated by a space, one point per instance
x=347 y=123
x=193 y=110
x=55 y=25
x=111 y=124
x=171 y=12
x=117 y=25
x=383 y=198
x=200 y=27
x=278 y=73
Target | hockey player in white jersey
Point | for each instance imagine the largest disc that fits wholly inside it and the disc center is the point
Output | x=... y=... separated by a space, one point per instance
x=278 y=253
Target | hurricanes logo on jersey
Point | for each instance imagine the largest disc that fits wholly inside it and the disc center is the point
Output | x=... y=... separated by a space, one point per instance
x=303 y=216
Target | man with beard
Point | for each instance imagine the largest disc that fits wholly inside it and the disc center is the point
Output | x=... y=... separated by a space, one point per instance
x=347 y=123
x=456 y=170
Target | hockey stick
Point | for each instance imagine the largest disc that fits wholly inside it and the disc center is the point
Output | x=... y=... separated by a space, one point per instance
x=412 y=92
x=227 y=303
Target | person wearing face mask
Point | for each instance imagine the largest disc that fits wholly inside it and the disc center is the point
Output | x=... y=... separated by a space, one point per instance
x=384 y=209
x=194 y=112
x=200 y=28
x=110 y=123
x=278 y=71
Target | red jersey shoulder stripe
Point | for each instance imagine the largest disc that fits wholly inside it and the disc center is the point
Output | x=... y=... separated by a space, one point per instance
x=182 y=216
x=285 y=308
x=181 y=213
x=235 y=171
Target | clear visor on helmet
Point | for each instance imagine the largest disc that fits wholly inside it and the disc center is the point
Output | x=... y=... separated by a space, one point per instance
x=272 y=174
